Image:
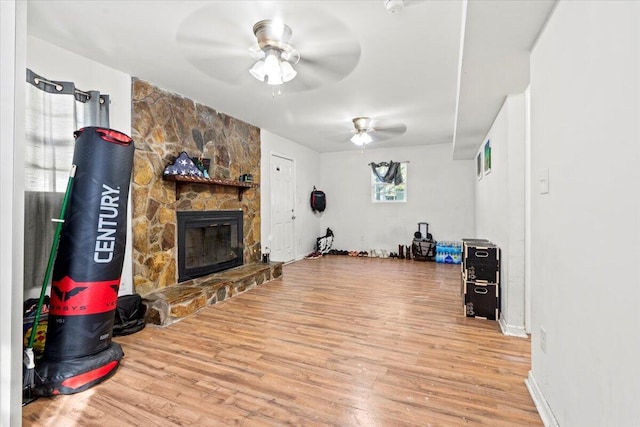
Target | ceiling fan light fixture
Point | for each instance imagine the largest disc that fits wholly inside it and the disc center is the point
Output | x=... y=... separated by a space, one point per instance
x=274 y=79
x=287 y=71
x=273 y=39
x=361 y=138
x=361 y=123
x=394 y=6
x=257 y=71
x=272 y=63
x=272 y=32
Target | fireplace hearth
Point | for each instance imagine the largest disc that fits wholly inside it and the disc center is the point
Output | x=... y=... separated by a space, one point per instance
x=208 y=242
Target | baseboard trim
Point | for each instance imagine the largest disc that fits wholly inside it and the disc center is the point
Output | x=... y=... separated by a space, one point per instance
x=512 y=331
x=541 y=403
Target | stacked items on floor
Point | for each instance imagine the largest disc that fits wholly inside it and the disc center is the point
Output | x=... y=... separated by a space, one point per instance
x=423 y=247
x=448 y=253
x=481 y=279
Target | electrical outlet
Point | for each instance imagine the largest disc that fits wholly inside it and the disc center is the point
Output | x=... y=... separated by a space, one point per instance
x=543 y=340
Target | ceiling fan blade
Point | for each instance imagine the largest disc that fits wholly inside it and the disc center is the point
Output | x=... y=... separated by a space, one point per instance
x=411 y=3
x=230 y=70
x=218 y=25
x=331 y=52
x=328 y=50
x=313 y=73
x=222 y=51
x=337 y=136
x=388 y=133
x=194 y=47
x=395 y=130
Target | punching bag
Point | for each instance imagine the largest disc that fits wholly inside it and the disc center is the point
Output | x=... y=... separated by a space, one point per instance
x=88 y=267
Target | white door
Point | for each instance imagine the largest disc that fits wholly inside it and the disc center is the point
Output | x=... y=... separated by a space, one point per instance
x=282 y=209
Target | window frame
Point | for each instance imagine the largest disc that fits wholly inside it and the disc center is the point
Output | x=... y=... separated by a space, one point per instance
x=375 y=184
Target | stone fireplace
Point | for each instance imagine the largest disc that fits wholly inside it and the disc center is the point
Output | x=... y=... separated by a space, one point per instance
x=208 y=242
x=163 y=125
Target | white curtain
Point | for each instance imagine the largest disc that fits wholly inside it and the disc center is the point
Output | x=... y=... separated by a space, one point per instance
x=54 y=111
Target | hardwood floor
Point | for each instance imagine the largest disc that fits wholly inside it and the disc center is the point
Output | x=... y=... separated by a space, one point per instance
x=336 y=341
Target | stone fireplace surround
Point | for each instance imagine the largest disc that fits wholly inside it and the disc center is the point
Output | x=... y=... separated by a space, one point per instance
x=163 y=125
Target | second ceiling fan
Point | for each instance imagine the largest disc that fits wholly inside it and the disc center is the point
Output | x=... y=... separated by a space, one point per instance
x=367 y=130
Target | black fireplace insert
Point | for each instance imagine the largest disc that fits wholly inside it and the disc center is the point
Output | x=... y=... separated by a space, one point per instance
x=208 y=241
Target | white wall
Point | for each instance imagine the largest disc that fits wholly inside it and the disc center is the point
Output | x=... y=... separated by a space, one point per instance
x=13 y=30
x=585 y=109
x=440 y=191
x=307 y=174
x=500 y=203
x=56 y=63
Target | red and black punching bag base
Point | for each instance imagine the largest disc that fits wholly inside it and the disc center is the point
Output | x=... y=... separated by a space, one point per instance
x=75 y=375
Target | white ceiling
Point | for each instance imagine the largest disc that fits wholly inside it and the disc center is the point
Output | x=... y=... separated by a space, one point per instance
x=357 y=60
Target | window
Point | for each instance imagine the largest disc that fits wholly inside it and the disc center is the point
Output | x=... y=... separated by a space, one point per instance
x=385 y=192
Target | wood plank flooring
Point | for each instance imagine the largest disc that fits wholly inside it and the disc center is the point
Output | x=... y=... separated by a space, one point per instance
x=336 y=341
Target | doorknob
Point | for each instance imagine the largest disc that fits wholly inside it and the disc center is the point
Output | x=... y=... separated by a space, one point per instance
x=293 y=217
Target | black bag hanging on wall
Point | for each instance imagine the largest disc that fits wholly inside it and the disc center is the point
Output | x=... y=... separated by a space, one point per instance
x=318 y=200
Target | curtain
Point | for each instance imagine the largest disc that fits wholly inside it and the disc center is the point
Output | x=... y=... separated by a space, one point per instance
x=387 y=172
x=54 y=110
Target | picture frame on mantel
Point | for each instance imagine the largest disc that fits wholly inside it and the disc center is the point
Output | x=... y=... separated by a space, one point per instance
x=487 y=157
x=479 y=165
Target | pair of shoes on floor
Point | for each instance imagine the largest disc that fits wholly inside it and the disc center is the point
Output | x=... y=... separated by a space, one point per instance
x=338 y=252
x=379 y=253
x=314 y=255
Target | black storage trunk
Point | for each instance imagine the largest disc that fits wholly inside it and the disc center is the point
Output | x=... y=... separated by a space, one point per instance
x=463 y=265
x=471 y=242
x=482 y=300
x=481 y=263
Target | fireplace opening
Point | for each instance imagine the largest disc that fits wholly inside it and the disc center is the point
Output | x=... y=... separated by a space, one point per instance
x=208 y=241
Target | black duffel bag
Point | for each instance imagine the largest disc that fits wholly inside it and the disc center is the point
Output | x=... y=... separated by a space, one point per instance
x=129 y=317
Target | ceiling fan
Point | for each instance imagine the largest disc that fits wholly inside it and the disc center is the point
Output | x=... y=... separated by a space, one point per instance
x=275 y=42
x=365 y=132
x=276 y=57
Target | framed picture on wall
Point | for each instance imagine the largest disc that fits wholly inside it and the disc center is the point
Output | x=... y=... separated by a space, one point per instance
x=479 y=165
x=487 y=157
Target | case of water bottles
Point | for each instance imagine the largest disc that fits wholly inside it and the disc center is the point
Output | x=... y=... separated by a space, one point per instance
x=449 y=252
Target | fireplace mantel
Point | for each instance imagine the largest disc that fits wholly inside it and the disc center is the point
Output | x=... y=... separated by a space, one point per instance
x=182 y=179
